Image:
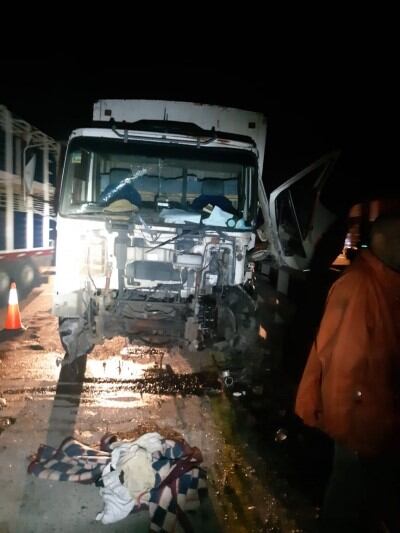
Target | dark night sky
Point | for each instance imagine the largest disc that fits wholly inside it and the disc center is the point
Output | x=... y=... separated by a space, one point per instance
x=310 y=110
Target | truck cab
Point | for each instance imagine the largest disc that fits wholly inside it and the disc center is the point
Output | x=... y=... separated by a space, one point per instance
x=157 y=225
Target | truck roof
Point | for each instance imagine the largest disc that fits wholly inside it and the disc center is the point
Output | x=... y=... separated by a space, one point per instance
x=207 y=117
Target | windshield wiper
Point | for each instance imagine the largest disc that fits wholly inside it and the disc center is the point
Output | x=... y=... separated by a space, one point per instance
x=85 y=203
x=84 y=213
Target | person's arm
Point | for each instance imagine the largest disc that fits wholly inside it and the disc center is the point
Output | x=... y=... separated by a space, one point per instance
x=309 y=404
x=308 y=400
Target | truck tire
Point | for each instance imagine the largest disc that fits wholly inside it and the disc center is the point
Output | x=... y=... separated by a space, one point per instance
x=75 y=338
x=26 y=276
x=237 y=320
x=5 y=281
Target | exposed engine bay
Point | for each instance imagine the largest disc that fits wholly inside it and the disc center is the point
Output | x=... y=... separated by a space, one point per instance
x=167 y=284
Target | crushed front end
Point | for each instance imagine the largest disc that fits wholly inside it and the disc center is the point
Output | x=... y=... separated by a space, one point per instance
x=153 y=240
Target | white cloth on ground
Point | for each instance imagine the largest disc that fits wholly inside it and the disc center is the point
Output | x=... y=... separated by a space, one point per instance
x=117 y=500
x=134 y=459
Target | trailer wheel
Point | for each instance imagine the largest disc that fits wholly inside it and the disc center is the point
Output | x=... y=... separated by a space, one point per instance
x=75 y=338
x=26 y=276
x=5 y=281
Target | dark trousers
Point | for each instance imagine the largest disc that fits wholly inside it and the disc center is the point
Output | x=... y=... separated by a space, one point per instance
x=363 y=495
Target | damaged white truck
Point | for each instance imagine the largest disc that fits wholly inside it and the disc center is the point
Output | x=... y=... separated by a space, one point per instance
x=157 y=225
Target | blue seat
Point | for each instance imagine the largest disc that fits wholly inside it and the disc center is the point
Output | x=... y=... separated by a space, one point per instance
x=212 y=192
x=120 y=190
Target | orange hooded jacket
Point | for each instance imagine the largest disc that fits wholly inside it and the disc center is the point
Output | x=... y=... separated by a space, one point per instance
x=350 y=387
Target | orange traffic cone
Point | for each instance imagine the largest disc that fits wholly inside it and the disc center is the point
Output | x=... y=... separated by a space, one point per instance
x=13 y=319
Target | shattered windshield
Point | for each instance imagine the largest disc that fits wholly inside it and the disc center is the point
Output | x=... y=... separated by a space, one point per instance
x=163 y=183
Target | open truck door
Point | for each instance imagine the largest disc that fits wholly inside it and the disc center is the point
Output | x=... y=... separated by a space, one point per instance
x=298 y=218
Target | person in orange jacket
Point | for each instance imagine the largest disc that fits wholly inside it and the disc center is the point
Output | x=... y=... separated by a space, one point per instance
x=350 y=388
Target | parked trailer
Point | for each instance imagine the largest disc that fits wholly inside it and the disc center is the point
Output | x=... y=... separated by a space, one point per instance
x=28 y=167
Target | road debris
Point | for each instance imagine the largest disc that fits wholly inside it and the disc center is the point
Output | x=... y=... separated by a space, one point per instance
x=151 y=472
x=5 y=422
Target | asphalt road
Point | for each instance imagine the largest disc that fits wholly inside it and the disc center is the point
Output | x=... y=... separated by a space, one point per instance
x=130 y=390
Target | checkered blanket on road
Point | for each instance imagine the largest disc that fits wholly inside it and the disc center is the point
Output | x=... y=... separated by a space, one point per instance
x=71 y=461
x=179 y=479
x=178 y=476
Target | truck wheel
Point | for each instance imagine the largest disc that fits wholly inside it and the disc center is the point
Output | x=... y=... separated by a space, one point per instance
x=75 y=338
x=26 y=276
x=5 y=281
x=237 y=320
